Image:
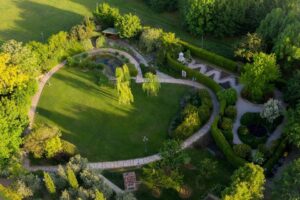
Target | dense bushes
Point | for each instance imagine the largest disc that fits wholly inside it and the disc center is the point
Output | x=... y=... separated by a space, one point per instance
x=211 y=57
x=195 y=111
x=276 y=155
x=225 y=146
x=178 y=67
x=147 y=69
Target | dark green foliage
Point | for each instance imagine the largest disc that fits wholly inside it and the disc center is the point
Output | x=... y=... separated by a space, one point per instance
x=221 y=17
x=292 y=90
x=242 y=150
x=287 y=185
x=132 y=69
x=211 y=57
x=105 y=15
x=147 y=69
x=162 y=5
x=226 y=127
x=277 y=154
x=225 y=146
x=228 y=95
x=178 y=67
x=250 y=118
x=292 y=127
x=231 y=112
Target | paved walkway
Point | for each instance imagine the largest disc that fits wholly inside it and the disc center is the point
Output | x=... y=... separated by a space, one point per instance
x=242 y=105
x=132 y=162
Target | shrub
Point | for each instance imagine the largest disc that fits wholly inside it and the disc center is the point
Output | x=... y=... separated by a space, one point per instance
x=72 y=178
x=250 y=139
x=242 y=150
x=229 y=95
x=150 y=39
x=68 y=148
x=243 y=130
x=250 y=118
x=100 y=42
x=276 y=155
x=231 y=112
x=132 y=70
x=49 y=183
x=225 y=146
x=128 y=25
x=211 y=57
x=226 y=124
x=105 y=15
x=191 y=122
x=145 y=69
x=204 y=113
x=87 y=44
x=178 y=67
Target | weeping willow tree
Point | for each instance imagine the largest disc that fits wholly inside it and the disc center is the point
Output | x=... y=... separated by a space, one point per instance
x=123 y=85
x=151 y=84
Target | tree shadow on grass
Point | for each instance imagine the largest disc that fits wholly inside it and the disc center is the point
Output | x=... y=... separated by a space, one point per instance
x=39 y=21
x=100 y=135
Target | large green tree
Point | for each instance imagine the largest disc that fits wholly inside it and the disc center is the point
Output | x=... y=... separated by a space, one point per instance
x=287 y=186
x=150 y=39
x=258 y=75
x=292 y=90
x=105 y=15
x=247 y=184
x=292 y=127
x=128 y=25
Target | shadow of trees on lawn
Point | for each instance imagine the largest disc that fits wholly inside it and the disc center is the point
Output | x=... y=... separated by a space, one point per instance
x=38 y=21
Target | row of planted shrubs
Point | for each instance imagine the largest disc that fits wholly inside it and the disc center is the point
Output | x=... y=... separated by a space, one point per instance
x=211 y=57
x=195 y=111
x=178 y=68
x=225 y=147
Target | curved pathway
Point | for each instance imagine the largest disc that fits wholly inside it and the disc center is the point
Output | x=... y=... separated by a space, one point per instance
x=242 y=105
x=139 y=79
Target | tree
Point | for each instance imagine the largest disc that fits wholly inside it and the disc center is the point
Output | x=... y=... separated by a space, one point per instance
x=21 y=55
x=49 y=183
x=292 y=127
x=151 y=84
x=271 y=110
x=105 y=15
x=257 y=76
x=247 y=183
x=72 y=178
x=172 y=155
x=287 y=185
x=207 y=168
x=123 y=85
x=292 y=90
x=250 y=45
x=150 y=39
x=198 y=15
x=9 y=194
x=44 y=140
x=11 y=76
x=128 y=25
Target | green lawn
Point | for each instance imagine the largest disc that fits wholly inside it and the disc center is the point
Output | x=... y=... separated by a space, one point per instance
x=37 y=19
x=91 y=117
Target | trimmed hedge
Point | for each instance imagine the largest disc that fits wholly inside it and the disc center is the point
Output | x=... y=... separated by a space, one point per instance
x=211 y=57
x=225 y=147
x=178 y=67
x=276 y=155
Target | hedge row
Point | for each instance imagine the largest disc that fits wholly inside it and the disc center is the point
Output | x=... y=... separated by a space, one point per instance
x=276 y=156
x=178 y=67
x=225 y=147
x=211 y=57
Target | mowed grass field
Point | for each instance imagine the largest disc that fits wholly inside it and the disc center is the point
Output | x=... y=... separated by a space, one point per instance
x=91 y=117
x=27 y=20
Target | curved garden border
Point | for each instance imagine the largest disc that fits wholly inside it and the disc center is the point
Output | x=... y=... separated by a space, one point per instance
x=139 y=79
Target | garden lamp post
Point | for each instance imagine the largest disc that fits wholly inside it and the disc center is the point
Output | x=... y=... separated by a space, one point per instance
x=145 y=140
